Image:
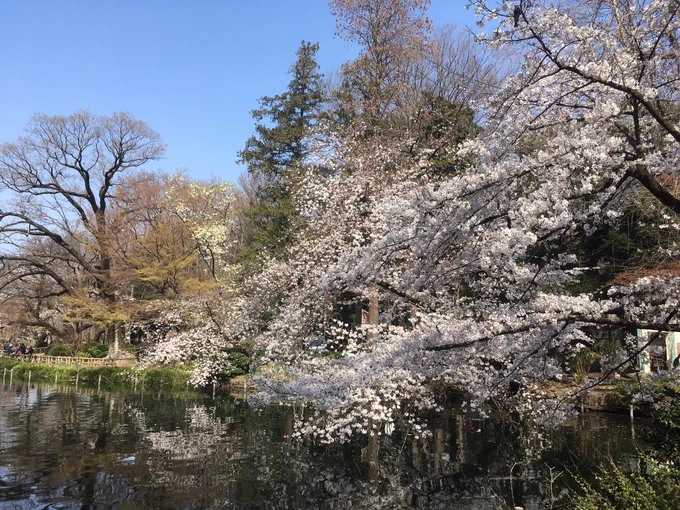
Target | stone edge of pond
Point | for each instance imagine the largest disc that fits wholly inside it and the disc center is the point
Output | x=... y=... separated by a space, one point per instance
x=609 y=397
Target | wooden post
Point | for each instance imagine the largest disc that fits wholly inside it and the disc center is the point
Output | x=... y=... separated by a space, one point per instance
x=4 y=373
x=99 y=383
x=29 y=378
x=632 y=423
x=11 y=375
x=77 y=377
x=213 y=389
x=116 y=345
x=56 y=378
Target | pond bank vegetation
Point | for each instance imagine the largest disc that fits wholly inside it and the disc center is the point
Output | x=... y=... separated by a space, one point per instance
x=174 y=377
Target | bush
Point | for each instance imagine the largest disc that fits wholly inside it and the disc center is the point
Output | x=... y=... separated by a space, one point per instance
x=94 y=350
x=240 y=365
x=656 y=489
x=61 y=350
x=240 y=361
x=86 y=350
x=8 y=363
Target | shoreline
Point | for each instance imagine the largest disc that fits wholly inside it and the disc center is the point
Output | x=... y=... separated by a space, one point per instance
x=102 y=376
x=605 y=398
x=114 y=377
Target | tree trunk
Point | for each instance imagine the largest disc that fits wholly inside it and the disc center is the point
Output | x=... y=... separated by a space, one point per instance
x=374 y=309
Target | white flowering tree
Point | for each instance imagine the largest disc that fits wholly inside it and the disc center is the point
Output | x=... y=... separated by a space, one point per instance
x=196 y=325
x=475 y=267
x=209 y=210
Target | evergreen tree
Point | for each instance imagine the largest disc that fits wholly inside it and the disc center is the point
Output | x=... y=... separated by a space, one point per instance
x=279 y=145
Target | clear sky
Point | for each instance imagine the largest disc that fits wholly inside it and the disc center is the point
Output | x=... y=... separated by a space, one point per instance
x=192 y=70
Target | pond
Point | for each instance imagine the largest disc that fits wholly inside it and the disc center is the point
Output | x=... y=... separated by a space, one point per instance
x=62 y=448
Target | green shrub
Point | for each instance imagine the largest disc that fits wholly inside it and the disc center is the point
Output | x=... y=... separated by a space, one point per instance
x=8 y=363
x=240 y=361
x=581 y=366
x=658 y=488
x=60 y=350
x=94 y=349
x=240 y=365
x=85 y=350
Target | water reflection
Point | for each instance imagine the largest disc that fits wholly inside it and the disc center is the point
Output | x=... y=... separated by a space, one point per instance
x=80 y=449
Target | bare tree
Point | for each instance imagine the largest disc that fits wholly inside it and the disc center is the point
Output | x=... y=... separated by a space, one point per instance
x=390 y=34
x=57 y=185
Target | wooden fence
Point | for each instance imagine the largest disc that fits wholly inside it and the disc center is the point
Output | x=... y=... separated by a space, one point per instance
x=64 y=360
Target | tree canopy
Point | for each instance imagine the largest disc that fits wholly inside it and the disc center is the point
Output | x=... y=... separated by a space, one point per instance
x=490 y=221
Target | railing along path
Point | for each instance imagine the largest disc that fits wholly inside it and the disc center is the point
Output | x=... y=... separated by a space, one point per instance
x=70 y=360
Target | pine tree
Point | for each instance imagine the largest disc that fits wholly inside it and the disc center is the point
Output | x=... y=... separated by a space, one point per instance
x=274 y=150
x=281 y=144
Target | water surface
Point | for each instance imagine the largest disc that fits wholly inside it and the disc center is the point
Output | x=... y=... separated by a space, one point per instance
x=62 y=448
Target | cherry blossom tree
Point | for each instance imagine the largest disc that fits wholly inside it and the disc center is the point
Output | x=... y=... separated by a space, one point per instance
x=475 y=266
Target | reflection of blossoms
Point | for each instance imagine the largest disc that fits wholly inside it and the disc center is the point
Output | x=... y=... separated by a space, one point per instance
x=203 y=434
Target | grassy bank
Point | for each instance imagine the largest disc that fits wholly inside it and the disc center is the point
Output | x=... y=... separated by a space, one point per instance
x=173 y=377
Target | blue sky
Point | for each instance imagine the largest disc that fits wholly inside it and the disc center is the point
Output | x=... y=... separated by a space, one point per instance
x=192 y=70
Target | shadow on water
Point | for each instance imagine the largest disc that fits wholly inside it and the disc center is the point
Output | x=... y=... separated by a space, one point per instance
x=62 y=448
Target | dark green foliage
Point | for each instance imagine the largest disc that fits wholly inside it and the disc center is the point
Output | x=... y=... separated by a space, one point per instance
x=240 y=361
x=281 y=143
x=636 y=245
x=271 y=220
x=445 y=124
x=240 y=365
x=61 y=350
x=276 y=148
